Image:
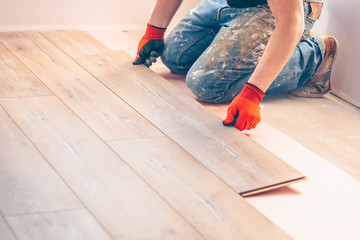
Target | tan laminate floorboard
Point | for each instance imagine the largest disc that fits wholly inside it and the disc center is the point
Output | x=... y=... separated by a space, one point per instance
x=16 y=80
x=211 y=206
x=75 y=43
x=102 y=110
x=69 y=225
x=124 y=204
x=27 y=183
x=244 y=165
x=121 y=201
x=327 y=126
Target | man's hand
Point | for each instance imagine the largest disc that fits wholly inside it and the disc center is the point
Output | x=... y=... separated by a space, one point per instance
x=150 y=46
x=244 y=110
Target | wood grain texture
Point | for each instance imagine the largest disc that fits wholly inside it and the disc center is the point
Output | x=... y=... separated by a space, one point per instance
x=124 y=204
x=27 y=183
x=69 y=225
x=211 y=206
x=5 y=232
x=102 y=110
x=75 y=43
x=16 y=80
x=243 y=164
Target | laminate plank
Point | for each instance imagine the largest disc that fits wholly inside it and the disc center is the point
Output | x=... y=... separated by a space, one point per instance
x=211 y=206
x=124 y=204
x=75 y=43
x=96 y=105
x=76 y=225
x=27 y=183
x=16 y=80
x=5 y=232
x=245 y=165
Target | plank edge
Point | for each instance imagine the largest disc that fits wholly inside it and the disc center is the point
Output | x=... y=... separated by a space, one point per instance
x=272 y=187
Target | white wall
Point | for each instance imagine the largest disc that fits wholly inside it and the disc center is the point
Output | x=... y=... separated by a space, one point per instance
x=344 y=19
x=79 y=14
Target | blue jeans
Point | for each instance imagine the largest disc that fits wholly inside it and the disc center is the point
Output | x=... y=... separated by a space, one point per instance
x=218 y=47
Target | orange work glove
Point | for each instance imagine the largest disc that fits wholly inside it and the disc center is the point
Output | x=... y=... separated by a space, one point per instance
x=244 y=110
x=150 y=46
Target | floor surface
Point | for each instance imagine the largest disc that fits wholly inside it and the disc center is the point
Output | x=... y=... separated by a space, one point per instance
x=320 y=137
x=72 y=154
x=93 y=147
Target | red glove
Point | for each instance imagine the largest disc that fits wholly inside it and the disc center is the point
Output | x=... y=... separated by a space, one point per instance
x=150 y=46
x=244 y=110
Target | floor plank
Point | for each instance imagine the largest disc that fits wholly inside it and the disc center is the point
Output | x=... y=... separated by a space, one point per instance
x=5 y=232
x=217 y=211
x=102 y=110
x=231 y=155
x=185 y=121
x=114 y=194
x=75 y=42
x=27 y=183
x=76 y=225
x=16 y=80
x=324 y=127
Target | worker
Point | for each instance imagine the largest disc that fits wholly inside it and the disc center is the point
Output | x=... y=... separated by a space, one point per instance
x=237 y=50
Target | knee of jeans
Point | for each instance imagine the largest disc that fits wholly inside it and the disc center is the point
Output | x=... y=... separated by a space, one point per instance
x=195 y=84
x=198 y=83
x=170 y=61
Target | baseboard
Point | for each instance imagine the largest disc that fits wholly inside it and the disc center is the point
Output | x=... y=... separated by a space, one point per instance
x=345 y=97
x=119 y=27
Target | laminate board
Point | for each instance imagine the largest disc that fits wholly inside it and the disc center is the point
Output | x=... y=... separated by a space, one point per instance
x=245 y=165
x=69 y=225
x=122 y=202
x=76 y=43
x=16 y=80
x=96 y=105
x=242 y=163
x=324 y=127
x=205 y=201
x=5 y=232
x=28 y=184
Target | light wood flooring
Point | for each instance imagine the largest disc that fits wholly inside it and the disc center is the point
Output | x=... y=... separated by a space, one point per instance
x=92 y=147
x=328 y=126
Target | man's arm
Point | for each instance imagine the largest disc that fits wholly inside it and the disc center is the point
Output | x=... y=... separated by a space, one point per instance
x=289 y=15
x=151 y=44
x=244 y=110
x=163 y=12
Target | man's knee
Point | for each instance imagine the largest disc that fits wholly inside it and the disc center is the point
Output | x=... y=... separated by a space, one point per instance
x=171 y=61
x=195 y=83
x=201 y=84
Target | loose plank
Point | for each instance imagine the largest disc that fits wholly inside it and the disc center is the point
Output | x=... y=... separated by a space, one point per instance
x=102 y=110
x=27 y=183
x=217 y=211
x=16 y=80
x=231 y=155
x=5 y=232
x=125 y=205
x=75 y=224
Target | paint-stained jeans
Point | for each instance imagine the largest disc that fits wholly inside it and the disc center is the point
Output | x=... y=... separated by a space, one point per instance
x=218 y=47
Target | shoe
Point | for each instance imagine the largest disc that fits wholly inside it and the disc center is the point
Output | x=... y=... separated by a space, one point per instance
x=319 y=84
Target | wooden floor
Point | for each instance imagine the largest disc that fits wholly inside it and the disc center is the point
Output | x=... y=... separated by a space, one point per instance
x=92 y=147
